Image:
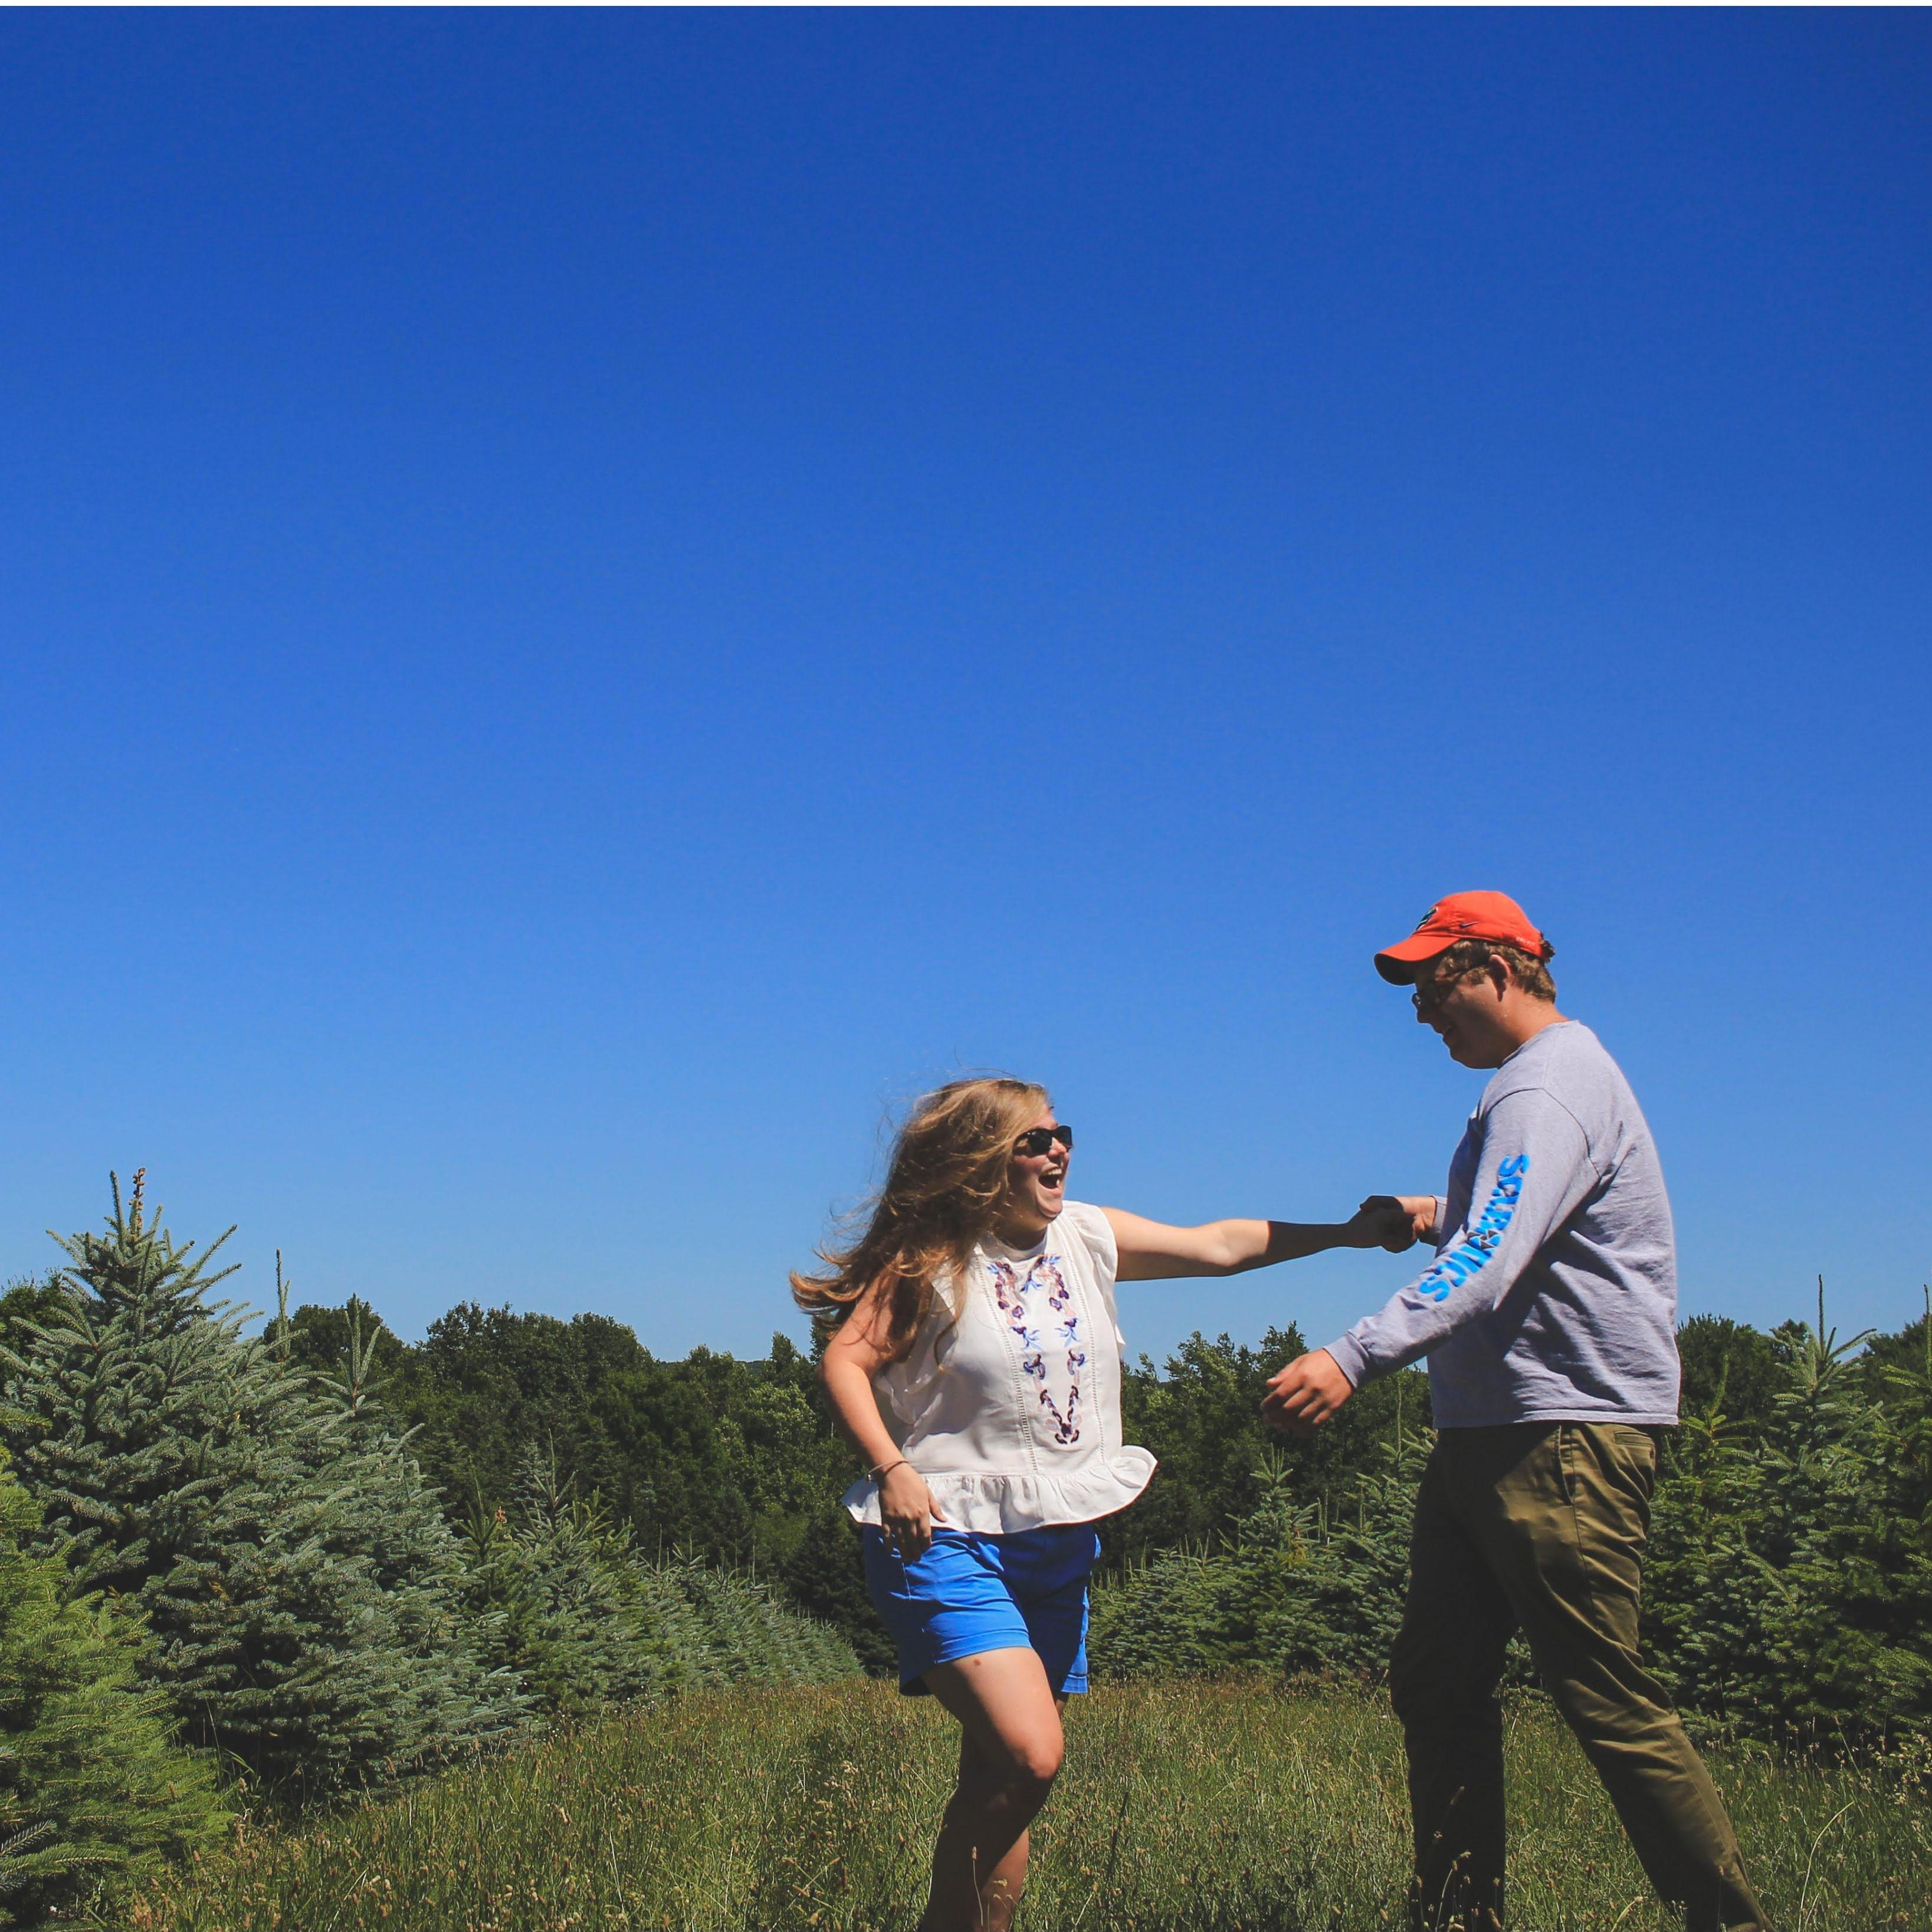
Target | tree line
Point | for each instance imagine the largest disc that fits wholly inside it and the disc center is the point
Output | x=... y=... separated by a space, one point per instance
x=1789 y=1583
x=1789 y=1587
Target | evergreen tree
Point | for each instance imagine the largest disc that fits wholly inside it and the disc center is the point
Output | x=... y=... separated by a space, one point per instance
x=1294 y=1586
x=555 y=1580
x=1344 y=1604
x=586 y=1621
x=189 y=1470
x=92 y=1793
x=752 y=1639
x=32 y=1299
x=824 y=1577
x=1791 y=1583
x=1731 y=1367
x=1201 y=1416
x=392 y=1521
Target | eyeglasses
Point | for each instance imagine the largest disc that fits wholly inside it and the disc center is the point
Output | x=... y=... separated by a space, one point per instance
x=1039 y=1140
x=1429 y=993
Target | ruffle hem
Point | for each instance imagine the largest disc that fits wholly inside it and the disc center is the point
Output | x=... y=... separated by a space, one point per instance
x=989 y=1502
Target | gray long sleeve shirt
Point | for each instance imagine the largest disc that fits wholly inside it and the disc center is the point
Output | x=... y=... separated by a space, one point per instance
x=1553 y=1294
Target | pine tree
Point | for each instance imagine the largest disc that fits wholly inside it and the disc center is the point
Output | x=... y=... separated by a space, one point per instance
x=1294 y=1587
x=392 y=1521
x=553 y=1581
x=92 y=1793
x=189 y=1470
x=1342 y=1606
x=587 y=1622
x=1788 y=1588
x=752 y=1639
x=824 y=1577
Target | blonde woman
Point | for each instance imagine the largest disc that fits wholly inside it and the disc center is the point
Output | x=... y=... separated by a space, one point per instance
x=974 y=1362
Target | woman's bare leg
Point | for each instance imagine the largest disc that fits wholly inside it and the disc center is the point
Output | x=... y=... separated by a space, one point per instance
x=1009 y=1756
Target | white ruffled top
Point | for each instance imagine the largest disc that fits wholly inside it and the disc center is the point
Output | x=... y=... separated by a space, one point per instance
x=1009 y=1401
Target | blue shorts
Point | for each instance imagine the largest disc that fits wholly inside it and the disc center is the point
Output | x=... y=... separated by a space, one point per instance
x=970 y=1593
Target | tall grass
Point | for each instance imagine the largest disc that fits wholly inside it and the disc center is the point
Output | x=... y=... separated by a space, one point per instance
x=1203 y=1808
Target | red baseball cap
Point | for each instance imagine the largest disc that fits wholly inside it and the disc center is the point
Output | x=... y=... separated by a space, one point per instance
x=1461 y=916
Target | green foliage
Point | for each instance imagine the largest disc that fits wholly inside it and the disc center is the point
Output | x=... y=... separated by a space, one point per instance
x=274 y=1541
x=1788 y=1591
x=731 y=1463
x=824 y=1576
x=415 y=1561
x=92 y=1792
x=1790 y=1583
x=573 y=1608
x=33 y=1299
x=754 y=1640
x=717 y=1457
x=253 y=1529
x=1294 y=1586
x=1201 y=1415
x=1732 y=1367
x=557 y=1587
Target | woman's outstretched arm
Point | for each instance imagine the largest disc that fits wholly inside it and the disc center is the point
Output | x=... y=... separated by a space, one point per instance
x=1152 y=1251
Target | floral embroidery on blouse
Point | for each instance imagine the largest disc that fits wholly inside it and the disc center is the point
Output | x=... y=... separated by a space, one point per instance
x=1025 y=1323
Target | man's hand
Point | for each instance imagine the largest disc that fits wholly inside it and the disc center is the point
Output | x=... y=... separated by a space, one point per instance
x=1306 y=1393
x=1392 y=1221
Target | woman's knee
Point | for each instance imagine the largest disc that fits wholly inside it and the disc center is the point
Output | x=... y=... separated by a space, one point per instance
x=1037 y=1759
x=1028 y=1760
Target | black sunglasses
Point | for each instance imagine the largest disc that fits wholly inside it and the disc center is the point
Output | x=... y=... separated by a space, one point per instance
x=1428 y=996
x=1040 y=1140
x=1429 y=993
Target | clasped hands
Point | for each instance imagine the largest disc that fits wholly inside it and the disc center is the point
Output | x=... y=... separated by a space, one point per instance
x=1308 y=1392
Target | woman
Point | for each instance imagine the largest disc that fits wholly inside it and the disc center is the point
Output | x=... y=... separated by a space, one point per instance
x=974 y=1362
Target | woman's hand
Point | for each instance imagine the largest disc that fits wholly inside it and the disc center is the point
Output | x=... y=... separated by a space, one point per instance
x=1392 y=1221
x=906 y=1511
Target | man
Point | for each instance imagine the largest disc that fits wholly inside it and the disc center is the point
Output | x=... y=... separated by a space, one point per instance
x=1549 y=1319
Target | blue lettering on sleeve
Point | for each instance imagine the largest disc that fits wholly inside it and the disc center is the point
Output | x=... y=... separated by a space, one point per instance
x=1455 y=1267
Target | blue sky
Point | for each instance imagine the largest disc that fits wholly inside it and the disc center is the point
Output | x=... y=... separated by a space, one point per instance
x=592 y=600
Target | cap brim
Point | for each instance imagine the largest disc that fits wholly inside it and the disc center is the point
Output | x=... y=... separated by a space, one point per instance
x=1397 y=964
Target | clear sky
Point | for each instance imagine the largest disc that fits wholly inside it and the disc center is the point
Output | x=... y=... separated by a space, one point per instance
x=590 y=600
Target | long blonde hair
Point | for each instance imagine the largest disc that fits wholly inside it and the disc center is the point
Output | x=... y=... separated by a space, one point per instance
x=942 y=1194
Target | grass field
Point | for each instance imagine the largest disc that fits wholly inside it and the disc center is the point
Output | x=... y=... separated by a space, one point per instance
x=1203 y=1806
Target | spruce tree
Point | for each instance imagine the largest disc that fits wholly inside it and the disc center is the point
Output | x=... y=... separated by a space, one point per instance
x=1789 y=1587
x=391 y=1520
x=92 y=1792
x=824 y=1577
x=587 y=1622
x=752 y=1639
x=189 y=1470
x=549 y=1585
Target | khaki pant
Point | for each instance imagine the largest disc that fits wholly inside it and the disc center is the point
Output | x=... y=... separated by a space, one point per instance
x=1542 y=1526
